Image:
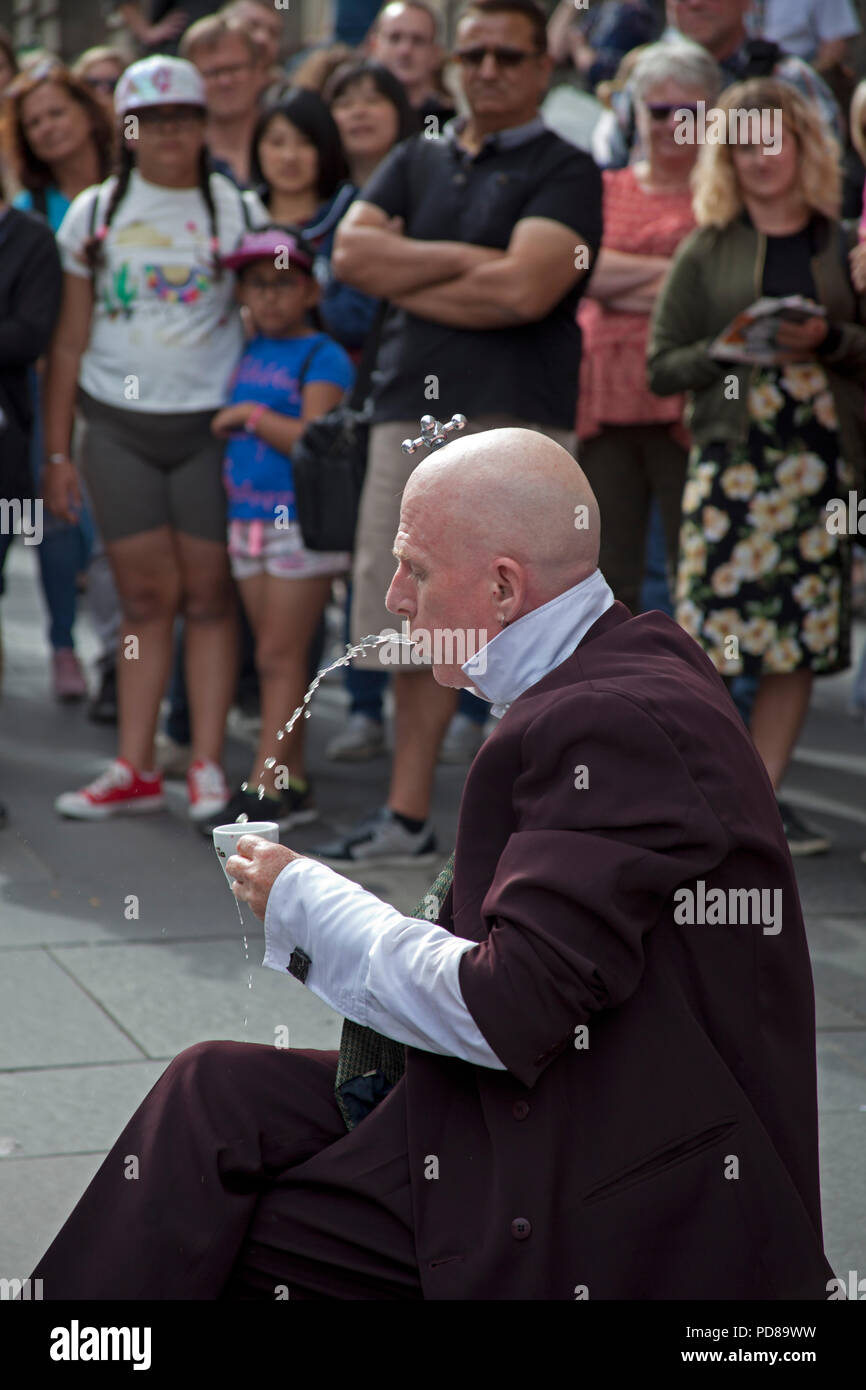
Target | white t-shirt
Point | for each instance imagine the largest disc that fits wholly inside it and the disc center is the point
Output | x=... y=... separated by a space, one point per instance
x=801 y=26
x=165 y=334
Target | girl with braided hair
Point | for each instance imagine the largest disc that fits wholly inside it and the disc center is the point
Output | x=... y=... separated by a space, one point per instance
x=147 y=339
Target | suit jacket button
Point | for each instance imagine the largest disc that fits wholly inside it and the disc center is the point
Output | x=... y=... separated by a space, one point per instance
x=520 y=1228
x=520 y=1109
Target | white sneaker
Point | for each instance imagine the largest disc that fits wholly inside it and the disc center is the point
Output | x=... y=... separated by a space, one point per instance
x=462 y=740
x=381 y=840
x=208 y=790
x=171 y=758
x=362 y=738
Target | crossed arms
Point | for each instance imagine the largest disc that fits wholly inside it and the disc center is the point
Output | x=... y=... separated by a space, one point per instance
x=455 y=282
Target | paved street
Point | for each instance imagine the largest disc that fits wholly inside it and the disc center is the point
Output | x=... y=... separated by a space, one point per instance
x=95 y=1002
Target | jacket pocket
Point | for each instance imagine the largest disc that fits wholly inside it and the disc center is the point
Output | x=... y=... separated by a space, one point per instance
x=660 y=1161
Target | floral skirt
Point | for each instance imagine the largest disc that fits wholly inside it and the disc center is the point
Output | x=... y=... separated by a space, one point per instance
x=762 y=584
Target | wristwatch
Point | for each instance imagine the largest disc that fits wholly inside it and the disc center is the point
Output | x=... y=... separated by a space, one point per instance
x=59 y=458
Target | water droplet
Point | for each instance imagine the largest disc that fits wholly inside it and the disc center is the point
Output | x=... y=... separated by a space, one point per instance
x=281 y=733
x=242 y=818
x=245 y=786
x=307 y=713
x=270 y=762
x=260 y=793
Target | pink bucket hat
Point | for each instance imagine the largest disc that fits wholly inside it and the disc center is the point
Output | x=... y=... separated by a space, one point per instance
x=272 y=244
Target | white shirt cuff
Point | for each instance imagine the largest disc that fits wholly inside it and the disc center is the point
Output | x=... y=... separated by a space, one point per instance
x=396 y=974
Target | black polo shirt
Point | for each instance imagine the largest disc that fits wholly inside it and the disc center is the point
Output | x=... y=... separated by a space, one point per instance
x=445 y=194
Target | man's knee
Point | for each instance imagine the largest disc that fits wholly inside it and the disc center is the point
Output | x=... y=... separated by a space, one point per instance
x=207 y=1061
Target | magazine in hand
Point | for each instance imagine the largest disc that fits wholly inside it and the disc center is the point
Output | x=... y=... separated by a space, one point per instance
x=751 y=336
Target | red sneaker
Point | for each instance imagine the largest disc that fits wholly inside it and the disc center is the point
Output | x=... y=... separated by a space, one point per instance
x=208 y=790
x=119 y=789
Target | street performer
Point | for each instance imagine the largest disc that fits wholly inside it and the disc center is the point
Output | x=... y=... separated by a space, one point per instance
x=604 y=1095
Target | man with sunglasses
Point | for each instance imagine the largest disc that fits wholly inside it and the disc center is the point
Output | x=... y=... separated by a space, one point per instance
x=481 y=241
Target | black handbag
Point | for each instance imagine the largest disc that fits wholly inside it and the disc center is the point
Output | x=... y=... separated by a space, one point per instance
x=329 y=461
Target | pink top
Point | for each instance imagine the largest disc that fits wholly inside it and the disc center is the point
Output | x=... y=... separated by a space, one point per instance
x=613 y=382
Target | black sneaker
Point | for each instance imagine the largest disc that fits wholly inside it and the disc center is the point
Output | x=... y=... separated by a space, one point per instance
x=295 y=807
x=239 y=804
x=381 y=840
x=103 y=707
x=802 y=839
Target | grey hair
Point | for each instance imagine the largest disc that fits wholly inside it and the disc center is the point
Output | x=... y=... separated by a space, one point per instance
x=681 y=61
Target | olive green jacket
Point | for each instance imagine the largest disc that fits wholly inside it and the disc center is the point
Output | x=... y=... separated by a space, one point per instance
x=716 y=273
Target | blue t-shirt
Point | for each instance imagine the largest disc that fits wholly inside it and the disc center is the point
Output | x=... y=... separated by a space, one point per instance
x=56 y=205
x=257 y=478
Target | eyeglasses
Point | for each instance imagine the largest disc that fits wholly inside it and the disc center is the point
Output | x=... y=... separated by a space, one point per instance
x=272 y=286
x=160 y=115
x=661 y=110
x=503 y=57
x=230 y=70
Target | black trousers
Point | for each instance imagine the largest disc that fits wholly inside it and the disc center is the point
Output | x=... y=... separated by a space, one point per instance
x=236 y=1178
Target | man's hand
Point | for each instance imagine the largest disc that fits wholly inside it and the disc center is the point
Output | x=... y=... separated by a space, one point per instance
x=255 y=868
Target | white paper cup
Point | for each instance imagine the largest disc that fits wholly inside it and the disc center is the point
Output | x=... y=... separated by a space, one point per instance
x=225 y=838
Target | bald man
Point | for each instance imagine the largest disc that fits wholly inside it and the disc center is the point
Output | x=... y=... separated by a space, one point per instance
x=609 y=1085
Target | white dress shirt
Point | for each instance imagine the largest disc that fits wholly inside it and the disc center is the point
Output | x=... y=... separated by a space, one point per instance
x=396 y=974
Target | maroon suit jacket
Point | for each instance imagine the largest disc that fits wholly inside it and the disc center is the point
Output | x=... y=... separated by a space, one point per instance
x=675 y=1156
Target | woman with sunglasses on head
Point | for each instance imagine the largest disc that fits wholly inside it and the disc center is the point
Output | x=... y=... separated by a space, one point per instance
x=632 y=445
x=61 y=140
x=764 y=576
x=100 y=69
x=147 y=338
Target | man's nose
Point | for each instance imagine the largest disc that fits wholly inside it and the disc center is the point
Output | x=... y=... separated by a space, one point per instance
x=397 y=600
x=488 y=67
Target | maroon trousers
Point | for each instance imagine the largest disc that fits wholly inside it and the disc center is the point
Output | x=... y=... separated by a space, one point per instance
x=236 y=1178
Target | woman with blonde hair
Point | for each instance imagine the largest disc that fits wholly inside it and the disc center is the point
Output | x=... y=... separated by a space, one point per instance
x=100 y=69
x=763 y=580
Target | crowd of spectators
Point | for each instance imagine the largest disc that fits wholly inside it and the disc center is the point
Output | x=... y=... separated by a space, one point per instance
x=159 y=361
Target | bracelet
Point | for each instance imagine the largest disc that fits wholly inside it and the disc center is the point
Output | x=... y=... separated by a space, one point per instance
x=59 y=458
x=253 y=418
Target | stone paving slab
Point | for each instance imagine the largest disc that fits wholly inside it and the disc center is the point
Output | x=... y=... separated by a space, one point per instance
x=36 y=1197
x=86 y=1108
x=843 y=1189
x=46 y=1018
x=842 y=1074
x=171 y=996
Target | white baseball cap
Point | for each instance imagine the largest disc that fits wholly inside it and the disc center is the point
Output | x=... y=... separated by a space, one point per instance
x=159 y=81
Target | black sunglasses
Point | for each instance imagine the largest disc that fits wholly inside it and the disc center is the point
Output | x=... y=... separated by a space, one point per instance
x=661 y=110
x=504 y=57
